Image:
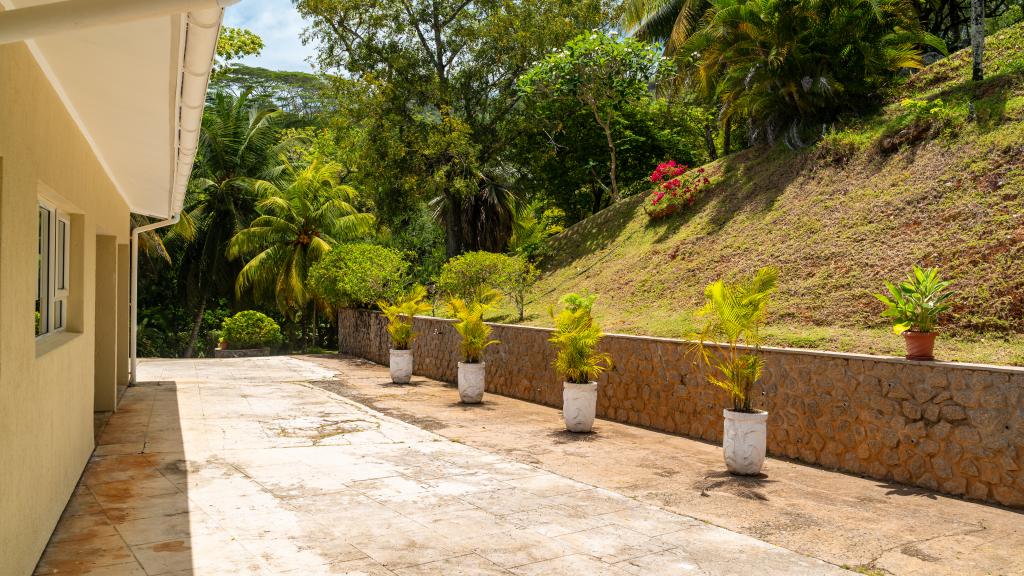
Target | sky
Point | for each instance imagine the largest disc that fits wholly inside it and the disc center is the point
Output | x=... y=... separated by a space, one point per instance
x=278 y=23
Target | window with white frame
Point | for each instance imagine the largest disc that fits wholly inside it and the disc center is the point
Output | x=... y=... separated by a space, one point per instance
x=53 y=269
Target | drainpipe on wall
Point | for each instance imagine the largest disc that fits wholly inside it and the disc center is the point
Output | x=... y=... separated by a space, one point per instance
x=133 y=333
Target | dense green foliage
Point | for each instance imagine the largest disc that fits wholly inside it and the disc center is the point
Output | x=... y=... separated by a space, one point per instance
x=790 y=67
x=472 y=275
x=603 y=74
x=431 y=86
x=298 y=224
x=250 y=329
x=359 y=275
x=446 y=143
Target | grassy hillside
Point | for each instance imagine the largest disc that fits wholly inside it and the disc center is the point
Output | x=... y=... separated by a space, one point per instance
x=929 y=182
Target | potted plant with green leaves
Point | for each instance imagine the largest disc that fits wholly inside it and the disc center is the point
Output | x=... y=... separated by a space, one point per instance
x=400 y=316
x=576 y=337
x=728 y=351
x=476 y=337
x=914 y=306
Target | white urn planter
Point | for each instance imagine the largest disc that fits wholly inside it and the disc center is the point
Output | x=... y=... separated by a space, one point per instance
x=471 y=382
x=400 y=364
x=579 y=406
x=745 y=441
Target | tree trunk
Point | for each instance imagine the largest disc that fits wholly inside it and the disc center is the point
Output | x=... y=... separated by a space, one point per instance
x=709 y=142
x=197 y=323
x=727 y=137
x=977 y=38
x=613 y=168
x=316 y=338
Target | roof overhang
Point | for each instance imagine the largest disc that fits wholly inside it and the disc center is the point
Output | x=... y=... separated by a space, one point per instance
x=133 y=75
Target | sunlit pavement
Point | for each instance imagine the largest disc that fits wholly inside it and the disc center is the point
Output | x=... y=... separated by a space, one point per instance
x=225 y=467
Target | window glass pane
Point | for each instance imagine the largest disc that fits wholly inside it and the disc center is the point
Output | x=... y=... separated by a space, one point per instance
x=62 y=265
x=43 y=273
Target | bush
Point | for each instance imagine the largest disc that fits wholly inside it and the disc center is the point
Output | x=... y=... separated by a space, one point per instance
x=359 y=275
x=469 y=276
x=250 y=329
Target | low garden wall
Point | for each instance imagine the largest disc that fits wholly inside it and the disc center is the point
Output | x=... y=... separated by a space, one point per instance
x=954 y=428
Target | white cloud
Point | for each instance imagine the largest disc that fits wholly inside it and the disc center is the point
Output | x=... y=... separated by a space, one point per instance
x=279 y=24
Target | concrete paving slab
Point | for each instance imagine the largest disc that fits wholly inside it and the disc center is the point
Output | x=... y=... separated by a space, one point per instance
x=245 y=468
x=874 y=526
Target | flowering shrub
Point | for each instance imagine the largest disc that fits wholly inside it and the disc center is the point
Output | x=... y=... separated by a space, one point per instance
x=675 y=186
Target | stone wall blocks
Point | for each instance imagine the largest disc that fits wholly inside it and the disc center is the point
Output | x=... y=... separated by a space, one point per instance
x=911 y=410
x=927 y=481
x=955 y=486
x=1008 y=496
x=952 y=413
x=897 y=390
x=923 y=392
x=928 y=446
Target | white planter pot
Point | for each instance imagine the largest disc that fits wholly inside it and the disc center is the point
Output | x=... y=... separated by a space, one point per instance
x=745 y=441
x=471 y=382
x=401 y=366
x=579 y=406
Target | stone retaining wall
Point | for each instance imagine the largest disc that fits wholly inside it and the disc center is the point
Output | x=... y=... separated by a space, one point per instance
x=954 y=428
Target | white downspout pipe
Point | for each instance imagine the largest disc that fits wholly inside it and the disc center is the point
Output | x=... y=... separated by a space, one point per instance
x=53 y=18
x=133 y=333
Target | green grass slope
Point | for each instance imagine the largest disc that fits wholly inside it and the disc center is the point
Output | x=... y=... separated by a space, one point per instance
x=938 y=182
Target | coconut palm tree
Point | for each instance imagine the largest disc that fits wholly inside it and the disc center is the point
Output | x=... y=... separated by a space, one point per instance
x=238 y=146
x=299 y=222
x=666 y=21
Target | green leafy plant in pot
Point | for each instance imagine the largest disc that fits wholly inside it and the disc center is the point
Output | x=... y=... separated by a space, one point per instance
x=400 y=316
x=914 y=306
x=727 y=350
x=576 y=337
x=476 y=338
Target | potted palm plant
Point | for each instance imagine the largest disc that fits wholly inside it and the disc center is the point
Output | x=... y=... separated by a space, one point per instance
x=728 y=351
x=576 y=337
x=914 y=306
x=399 y=316
x=475 y=336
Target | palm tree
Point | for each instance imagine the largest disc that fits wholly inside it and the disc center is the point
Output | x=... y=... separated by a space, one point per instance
x=238 y=146
x=298 y=224
x=667 y=21
x=787 y=65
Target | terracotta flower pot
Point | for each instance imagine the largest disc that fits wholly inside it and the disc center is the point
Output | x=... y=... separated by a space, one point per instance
x=920 y=345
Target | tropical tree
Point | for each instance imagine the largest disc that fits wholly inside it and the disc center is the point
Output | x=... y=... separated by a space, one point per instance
x=299 y=222
x=790 y=66
x=602 y=73
x=238 y=146
x=437 y=99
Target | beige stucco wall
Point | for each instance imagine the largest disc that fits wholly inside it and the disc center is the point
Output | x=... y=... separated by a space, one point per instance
x=46 y=387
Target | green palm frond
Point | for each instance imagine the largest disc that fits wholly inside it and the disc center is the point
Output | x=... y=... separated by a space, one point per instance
x=727 y=347
x=301 y=218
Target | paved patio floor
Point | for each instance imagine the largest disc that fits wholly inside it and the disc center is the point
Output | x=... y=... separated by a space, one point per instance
x=223 y=467
x=875 y=526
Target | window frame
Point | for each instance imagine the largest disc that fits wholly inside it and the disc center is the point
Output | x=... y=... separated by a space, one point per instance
x=53 y=275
